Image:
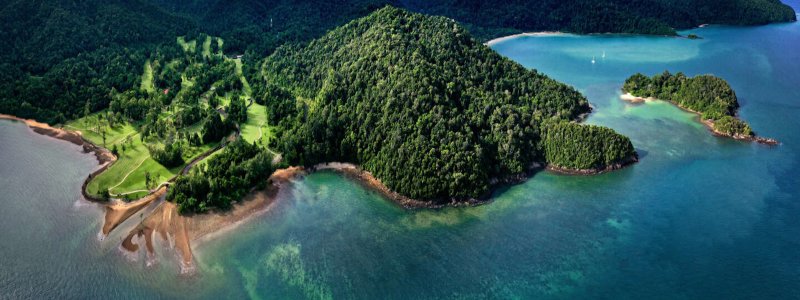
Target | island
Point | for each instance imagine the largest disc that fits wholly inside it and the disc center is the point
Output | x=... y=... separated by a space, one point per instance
x=711 y=97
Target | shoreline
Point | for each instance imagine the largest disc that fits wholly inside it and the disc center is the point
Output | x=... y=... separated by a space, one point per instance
x=184 y=231
x=494 y=41
x=103 y=155
x=709 y=124
x=369 y=181
x=588 y=172
x=501 y=39
x=178 y=230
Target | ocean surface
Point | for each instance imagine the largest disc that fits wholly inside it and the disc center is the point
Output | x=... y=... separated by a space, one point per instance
x=699 y=217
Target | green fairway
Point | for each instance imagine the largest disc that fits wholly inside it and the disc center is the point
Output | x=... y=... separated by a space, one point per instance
x=247 y=90
x=125 y=178
x=120 y=177
x=256 y=127
x=127 y=174
x=207 y=47
x=93 y=126
x=147 y=78
x=187 y=46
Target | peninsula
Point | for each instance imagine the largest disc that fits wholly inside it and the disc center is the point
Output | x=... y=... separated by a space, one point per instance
x=441 y=117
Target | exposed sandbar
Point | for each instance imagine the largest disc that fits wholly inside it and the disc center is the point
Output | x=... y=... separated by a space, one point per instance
x=511 y=37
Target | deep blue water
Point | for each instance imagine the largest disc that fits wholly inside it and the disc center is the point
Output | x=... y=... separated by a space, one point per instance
x=699 y=217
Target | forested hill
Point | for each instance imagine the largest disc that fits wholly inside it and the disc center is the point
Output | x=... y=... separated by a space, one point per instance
x=415 y=100
x=58 y=55
x=490 y=18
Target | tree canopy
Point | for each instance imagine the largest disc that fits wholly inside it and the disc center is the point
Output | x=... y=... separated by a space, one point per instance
x=430 y=111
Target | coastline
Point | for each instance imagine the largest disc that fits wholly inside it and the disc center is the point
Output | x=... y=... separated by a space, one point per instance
x=709 y=124
x=103 y=156
x=497 y=40
x=524 y=34
x=184 y=231
x=181 y=231
x=588 y=172
x=164 y=219
x=369 y=181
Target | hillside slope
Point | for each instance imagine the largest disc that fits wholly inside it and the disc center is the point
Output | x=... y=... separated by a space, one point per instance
x=58 y=57
x=415 y=100
x=492 y=18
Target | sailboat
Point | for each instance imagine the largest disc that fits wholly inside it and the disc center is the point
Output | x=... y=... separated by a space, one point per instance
x=604 y=54
x=593 y=61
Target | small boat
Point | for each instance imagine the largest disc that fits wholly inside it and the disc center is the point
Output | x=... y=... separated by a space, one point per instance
x=593 y=61
x=604 y=54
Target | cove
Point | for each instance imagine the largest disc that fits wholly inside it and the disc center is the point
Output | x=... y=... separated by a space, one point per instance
x=697 y=217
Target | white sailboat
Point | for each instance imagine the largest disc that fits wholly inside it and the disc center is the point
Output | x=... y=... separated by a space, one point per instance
x=604 y=54
x=593 y=61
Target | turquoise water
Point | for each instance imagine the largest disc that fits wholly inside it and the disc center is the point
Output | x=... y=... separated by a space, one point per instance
x=699 y=217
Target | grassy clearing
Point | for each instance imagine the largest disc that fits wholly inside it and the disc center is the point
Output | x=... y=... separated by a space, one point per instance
x=247 y=90
x=121 y=175
x=92 y=126
x=147 y=78
x=190 y=46
x=256 y=127
x=207 y=47
x=127 y=174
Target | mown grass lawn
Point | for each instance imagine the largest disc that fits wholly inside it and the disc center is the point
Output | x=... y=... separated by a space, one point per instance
x=147 y=78
x=256 y=127
x=92 y=130
x=127 y=174
x=207 y=47
x=187 y=46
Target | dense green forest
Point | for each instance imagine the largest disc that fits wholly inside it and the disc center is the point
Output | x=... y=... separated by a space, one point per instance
x=592 y=148
x=415 y=100
x=599 y=16
x=58 y=55
x=225 y=178
x=708 y=95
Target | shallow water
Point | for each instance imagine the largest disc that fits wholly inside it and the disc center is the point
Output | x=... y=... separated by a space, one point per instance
x=698 y=217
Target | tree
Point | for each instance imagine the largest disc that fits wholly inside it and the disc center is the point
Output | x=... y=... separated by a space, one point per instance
x=147 y=179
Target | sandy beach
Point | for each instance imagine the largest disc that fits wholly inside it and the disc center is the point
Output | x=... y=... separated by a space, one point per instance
x=511 y=37
x=633 y=99
x=182 y=231
x=119 y=211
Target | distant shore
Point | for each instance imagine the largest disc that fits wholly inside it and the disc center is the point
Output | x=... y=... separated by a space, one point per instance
x=511 y=37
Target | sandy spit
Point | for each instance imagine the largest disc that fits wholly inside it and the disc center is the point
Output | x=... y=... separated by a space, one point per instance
x=511 y=37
